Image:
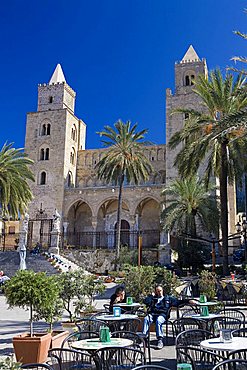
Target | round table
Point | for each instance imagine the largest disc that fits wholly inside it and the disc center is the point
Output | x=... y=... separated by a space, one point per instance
x=117 y=318
x=210 y=303
x=215 y=344
x=126 y=305
x=93 y=344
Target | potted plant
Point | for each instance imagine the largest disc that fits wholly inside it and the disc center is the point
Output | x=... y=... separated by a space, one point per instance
x=78 y=290
x=9 y=364
x=53 y=313
x=207 y=284
x=34 y=291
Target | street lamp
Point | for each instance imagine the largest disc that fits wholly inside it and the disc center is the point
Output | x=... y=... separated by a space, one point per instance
x=241 y=228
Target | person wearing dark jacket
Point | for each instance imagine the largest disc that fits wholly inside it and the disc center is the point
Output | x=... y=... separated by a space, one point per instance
x=158 y=309
x=118 y=297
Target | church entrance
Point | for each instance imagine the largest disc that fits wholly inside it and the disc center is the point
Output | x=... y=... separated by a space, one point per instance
x=39 y=230
x=125 y=233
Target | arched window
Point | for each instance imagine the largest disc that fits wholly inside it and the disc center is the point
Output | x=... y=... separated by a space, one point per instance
x=70 y=180
x=47 y=152
x=50 y=99
x=46 y=129
x=43 y=131
x=73 y=133
x=186 y=115
x=42 y=154
x=189 y=80
x=43 y=178
x=72 y=156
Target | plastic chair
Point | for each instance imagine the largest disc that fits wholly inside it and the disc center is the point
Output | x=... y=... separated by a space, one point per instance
x=235 y=313
x=242 y=332
x=240 y=353
x=226 y=322
x=199 y=358
x=236 y=364
x=37 y=366
x=186 y=323
x=192 y=337
x=118 y=358
x=71 y=359
x=150 y=367
x=90 y=324
x=79 y=335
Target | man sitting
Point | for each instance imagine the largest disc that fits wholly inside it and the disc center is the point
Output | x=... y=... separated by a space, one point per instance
x=158 y=308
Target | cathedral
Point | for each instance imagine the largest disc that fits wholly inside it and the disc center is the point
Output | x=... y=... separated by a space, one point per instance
x=65 y=177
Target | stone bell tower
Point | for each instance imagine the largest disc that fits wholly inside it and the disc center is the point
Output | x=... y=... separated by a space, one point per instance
x=54 y=135
x=186 y=72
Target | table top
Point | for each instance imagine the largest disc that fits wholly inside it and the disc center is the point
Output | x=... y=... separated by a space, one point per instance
x=216 y=344
x=123 y=304
x=93 y=344
x=208 y=317
x=210 y=303
x=117 y=318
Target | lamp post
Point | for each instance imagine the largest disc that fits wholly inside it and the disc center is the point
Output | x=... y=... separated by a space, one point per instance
x=241 y=228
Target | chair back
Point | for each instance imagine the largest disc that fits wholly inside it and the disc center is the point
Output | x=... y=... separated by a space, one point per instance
x=116 y=358
x=67 y=358
x=226 y=322
x=199 y=358
x=236 y=364
x=79 y=335
x=235 y=313
x=150 y=367
x=192 y=337
x=242 y=332
x=186 y=323
x=36 y=366
x=240 y=353
x=138 y=342
x=126 y=325
x=90 y=324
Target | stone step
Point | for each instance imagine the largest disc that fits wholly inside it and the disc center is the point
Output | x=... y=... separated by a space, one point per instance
x=10 y=262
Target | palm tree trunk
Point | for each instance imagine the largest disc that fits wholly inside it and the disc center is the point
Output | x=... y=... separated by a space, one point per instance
x=224 y=206
x=119 y=213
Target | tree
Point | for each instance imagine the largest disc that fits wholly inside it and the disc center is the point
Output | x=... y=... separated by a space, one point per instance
x=15 y=193
x=124 y=160
x=215 y=138
x=190 y=203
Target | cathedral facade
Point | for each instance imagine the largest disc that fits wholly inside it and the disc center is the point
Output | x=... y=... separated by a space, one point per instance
x=65 y=176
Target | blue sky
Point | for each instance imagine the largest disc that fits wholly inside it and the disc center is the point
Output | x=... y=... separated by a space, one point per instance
x=117 y=55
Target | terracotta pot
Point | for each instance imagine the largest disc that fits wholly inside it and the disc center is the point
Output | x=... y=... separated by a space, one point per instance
x=31 y=349
x=57 y=338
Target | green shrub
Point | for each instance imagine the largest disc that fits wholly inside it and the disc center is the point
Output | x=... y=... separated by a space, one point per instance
x=207 y=284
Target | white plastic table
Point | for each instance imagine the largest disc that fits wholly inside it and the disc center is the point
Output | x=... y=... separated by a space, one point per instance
x=215 y=344
x=93 y=344
x=117 y=318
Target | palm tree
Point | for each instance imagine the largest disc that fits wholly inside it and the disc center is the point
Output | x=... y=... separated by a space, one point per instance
x=190 y=203
x=123 y=160
x=215 y=138
x=15 y=193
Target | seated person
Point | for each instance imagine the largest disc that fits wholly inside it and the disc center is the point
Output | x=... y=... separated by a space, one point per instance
x=3 y=278
x=158 y=307
x=118 y=297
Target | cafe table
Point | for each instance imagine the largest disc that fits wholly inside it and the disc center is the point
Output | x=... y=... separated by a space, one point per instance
x=126 y=305
x=93 y=344
x=206 y=319
x=215 y=344
x=121 y=322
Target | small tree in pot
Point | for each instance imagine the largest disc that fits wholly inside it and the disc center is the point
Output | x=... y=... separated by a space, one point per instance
x=36 y=292
x=77 y=291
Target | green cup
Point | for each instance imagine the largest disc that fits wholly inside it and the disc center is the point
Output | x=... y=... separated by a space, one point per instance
x=203 y=298
x=184 y=367
x=129 y=300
